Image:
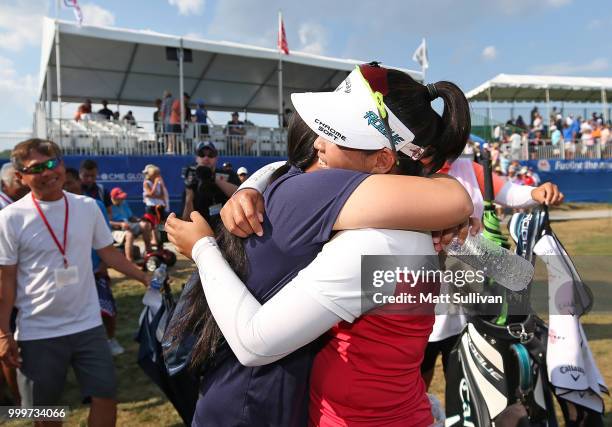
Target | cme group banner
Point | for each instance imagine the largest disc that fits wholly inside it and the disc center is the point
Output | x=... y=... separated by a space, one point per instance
x=579 y=180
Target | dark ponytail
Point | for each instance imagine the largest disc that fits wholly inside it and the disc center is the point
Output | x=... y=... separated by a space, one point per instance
x=197 y=318
x=443 y=137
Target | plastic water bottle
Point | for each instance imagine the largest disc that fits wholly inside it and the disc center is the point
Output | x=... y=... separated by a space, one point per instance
x=152 y=298
x=507 y=269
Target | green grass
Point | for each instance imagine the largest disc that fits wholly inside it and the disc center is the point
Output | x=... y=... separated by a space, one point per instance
x=142 y=404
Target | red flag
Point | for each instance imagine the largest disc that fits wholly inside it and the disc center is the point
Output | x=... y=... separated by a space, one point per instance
x=282 y=37
x=77 y=10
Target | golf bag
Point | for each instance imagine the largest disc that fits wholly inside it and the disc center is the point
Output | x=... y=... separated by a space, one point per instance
x=503 y=376
x=181 y=388
x=500 y=377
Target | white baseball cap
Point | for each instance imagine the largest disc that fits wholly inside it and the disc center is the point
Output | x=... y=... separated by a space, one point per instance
x=351 y=117
x=242 y=170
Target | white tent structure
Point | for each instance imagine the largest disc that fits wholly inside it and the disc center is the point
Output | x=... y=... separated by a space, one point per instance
x=520 y=88
x=130 y=67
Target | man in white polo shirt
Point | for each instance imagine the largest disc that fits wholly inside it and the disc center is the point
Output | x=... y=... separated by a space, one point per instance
x=45 y=272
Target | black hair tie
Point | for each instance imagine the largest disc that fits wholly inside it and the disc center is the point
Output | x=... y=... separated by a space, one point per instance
x=433 y=92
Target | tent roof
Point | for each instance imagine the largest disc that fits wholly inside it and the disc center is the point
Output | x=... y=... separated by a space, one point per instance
x=130 y=67
x=517 y=88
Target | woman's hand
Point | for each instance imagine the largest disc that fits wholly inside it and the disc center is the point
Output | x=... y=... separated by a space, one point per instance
x=547 y=194
x=184 y=234
x=242 y=215
x=444 y=237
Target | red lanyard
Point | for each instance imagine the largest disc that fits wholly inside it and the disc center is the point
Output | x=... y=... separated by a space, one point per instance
x=62 y=248
x=6 y=199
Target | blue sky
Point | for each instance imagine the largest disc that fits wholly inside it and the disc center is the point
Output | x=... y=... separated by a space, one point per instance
x=469 y=41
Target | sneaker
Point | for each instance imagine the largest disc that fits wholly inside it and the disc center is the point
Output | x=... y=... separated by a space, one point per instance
x=115 y=347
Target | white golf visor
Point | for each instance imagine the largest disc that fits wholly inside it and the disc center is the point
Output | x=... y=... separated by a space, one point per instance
x=349 y=117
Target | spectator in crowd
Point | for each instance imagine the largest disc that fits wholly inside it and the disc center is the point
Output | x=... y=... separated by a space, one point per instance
x=206 y=187
x=227 y=167
x=512 y=175
x=556 y=138
x=105 y=111
x=533 y=115
x=129 y=118
x=157 y=122
x=605 y=135
x=494 y=154
x=58 y=322
x=175 y=117
x=83 y=111
x=116 y=116
x=242 y=173
x=497 y=133
x=157 y=115
x=123 y=220
x=165 y=113
x=108 y=308
x=526 y=178
x=575 y=126
x=202 y=118
x=515 y=145
x=538 y=123
x=596 y=131
x=235 y=131
x=587 y=140
x=520 y=123
x=88 y=172
x=504 y=163
x=11 y=187
x=235 y=127
x=155 y=197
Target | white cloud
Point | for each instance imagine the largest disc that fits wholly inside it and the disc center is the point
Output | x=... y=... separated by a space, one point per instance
x=489 y=53
x=16 y=89
x=188 y=7
x=313 y=38
x=21 y=23
x=96 y=15
x=562 y=68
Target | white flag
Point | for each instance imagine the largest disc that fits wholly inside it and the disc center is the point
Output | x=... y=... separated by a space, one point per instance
x=420 y=55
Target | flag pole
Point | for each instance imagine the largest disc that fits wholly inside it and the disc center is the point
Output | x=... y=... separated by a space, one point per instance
x=423 y=62
x=58 y=73
x=280 y=73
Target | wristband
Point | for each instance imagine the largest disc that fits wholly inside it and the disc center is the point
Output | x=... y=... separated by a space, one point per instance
x=259 y=180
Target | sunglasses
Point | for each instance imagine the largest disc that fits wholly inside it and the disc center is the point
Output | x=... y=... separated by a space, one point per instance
x=206 y=153
x=39 y=168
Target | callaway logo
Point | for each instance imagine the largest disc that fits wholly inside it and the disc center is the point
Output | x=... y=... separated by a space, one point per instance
x=483 y=362
x=374 y=121
x=329 y=131
x=571 y=368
